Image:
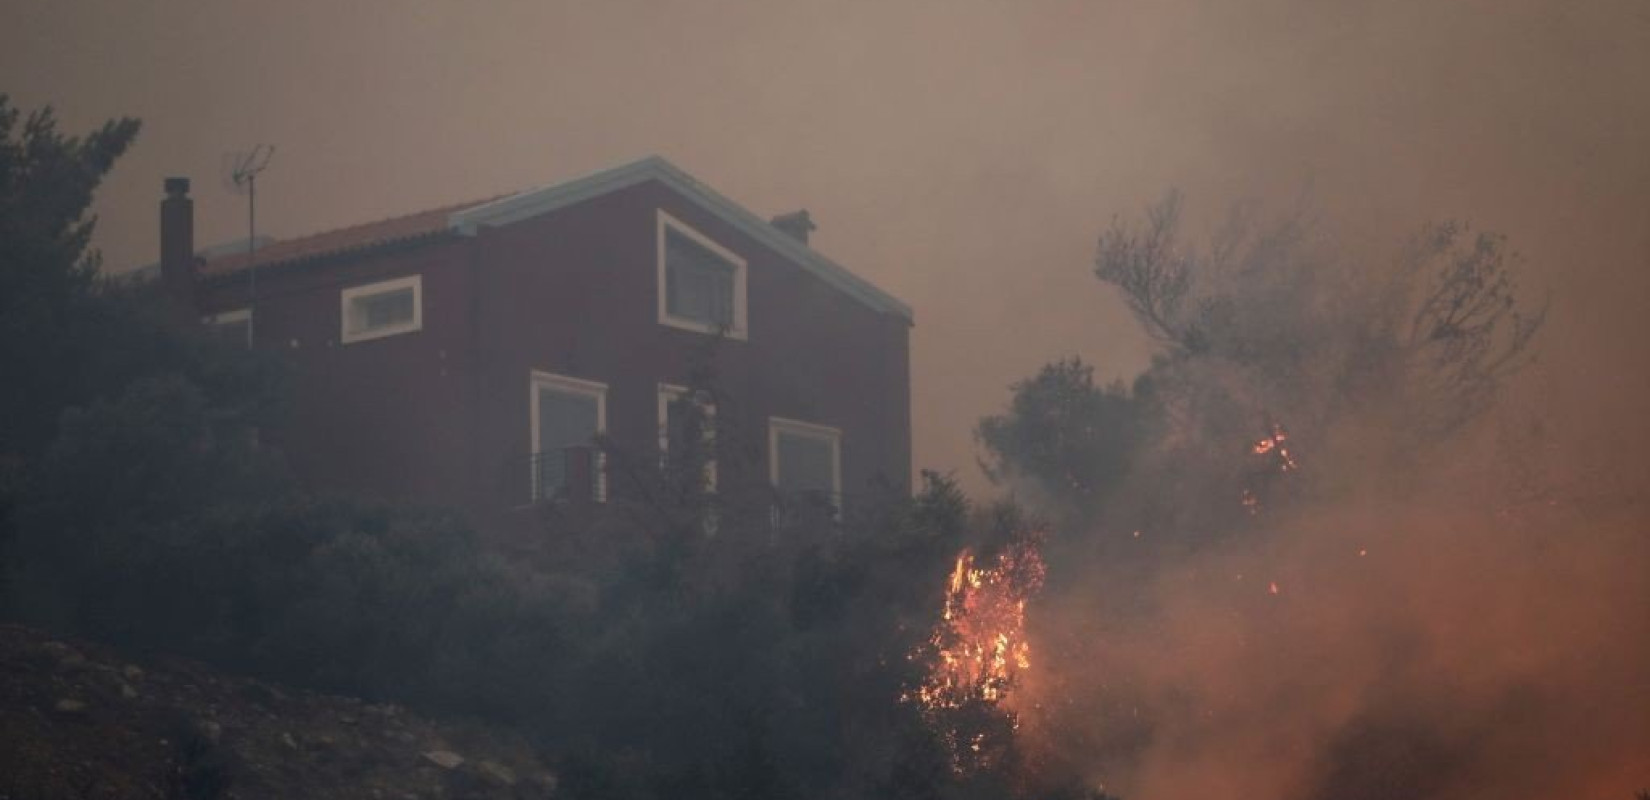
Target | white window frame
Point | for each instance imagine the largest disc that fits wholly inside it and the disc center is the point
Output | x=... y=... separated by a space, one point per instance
x=231 y=317
x=778 y=425
x=349 y=333
x=538 y=381
x=666 y=222
x=669 y=393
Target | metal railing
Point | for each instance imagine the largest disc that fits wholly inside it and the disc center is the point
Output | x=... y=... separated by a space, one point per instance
x=569 y=475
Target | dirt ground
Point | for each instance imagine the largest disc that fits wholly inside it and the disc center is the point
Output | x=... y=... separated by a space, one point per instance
x=79 y=720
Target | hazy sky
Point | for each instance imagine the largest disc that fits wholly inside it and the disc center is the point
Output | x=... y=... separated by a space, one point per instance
x=962 y=155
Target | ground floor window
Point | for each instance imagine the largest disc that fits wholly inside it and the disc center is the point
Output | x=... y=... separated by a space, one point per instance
x=687 y=430
x=568 y=414
x=804 y=458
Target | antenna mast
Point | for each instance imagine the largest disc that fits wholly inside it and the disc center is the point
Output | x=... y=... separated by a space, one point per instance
x=243 y=177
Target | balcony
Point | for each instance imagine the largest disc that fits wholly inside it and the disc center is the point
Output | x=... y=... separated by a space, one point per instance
x=571 y=475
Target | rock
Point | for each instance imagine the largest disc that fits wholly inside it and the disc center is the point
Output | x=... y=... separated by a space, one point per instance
x=291 y=743
x=127 y=691
x=496 y=772
x=445 y=759
x=546 y=783
x=67 y=657
x=260 y=694
x=211 y=731
x=132 y=672
x=69 y=705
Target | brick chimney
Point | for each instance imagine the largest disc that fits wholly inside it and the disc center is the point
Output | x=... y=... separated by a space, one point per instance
x=796 y=224
x=177 y=242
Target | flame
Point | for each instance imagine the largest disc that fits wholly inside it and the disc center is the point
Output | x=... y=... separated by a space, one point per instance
x=979 y=650
x=980 y=643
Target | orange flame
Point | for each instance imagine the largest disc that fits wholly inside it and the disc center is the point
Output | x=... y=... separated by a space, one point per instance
x=980 y=643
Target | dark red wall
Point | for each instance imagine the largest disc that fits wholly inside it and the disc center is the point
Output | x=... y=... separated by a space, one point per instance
x=442 y=415
x=385 y=417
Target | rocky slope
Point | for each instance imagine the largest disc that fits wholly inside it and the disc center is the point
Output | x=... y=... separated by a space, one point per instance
x=78 y=720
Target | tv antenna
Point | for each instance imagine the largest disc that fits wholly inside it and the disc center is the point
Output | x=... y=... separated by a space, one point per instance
x=241 y=170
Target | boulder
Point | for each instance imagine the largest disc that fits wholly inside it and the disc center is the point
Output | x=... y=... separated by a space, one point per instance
x=445 y=759
x=496 y=773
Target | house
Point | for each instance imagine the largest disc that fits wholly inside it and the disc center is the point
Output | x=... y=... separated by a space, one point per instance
x=470 y=355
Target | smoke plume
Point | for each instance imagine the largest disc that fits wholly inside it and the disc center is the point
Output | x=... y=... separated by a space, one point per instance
x=1431 y=595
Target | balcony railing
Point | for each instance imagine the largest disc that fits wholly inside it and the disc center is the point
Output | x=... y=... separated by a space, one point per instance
x=582 y=475
x=569 y=475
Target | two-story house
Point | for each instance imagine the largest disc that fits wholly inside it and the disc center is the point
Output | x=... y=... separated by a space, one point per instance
x=469 y=355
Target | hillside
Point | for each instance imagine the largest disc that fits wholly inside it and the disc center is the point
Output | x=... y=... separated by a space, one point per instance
x=79 y=720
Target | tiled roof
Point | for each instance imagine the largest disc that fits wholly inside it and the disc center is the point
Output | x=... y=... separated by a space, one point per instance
x=339 y=241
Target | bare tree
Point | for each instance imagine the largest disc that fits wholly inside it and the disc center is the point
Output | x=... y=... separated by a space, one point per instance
x=1436 y=333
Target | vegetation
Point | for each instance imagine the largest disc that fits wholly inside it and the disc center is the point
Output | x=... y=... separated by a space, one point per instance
x=1268 y=336
x=688 y=651
x=1290 y=375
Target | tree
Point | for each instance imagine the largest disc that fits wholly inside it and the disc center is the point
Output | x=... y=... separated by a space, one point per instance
x=48 y=276
x=115 y=412
x=1065 y=434
x=1433 y=335
x=1291 y=375
x=1273 y=344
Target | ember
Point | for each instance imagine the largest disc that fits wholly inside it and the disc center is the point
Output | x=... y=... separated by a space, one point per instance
x=1277 y=445
x=1272 y=459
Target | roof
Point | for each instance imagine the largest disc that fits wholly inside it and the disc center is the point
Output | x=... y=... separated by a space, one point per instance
x=465 y=219
x=341 y=241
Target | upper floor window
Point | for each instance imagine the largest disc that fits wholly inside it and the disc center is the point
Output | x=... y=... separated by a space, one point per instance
x=383 y=309
x=804 y=458
x=701 y=283
x=231 y=327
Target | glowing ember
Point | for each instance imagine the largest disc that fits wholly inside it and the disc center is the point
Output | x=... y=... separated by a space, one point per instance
x=1277 y=445
x=980 y=643
x=1273 y=459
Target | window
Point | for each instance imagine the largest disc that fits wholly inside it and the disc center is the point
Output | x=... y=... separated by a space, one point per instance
x=674 y=433
x=805 y=458
x=567 y=416
x=231 y=327
x=383 y=309
x=701 y=283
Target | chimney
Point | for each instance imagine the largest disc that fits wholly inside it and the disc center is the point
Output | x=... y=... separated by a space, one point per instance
x=177 y=242
x=796 y=224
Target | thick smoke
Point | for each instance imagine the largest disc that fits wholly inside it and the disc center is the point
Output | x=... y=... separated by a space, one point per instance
x=1434 y=596
x=1433 y=647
